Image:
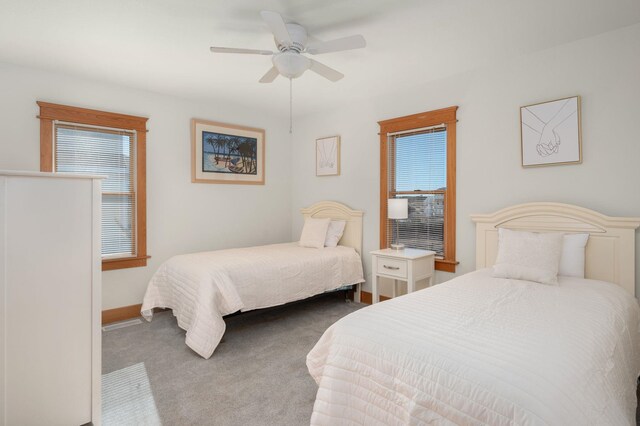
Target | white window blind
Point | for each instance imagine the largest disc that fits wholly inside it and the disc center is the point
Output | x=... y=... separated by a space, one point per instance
x=108 y=152
x=417 y=170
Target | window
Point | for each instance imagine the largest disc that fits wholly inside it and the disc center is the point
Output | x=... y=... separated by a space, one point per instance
x=77 y=140
x=417 y=162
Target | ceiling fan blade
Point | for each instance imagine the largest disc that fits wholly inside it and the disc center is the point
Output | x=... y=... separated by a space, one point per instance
x=325 y=71
x=270 y=75
x=244 y=51
x=337 y=45
x=277 y=26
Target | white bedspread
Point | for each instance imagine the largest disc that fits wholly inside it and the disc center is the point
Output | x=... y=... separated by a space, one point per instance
x=481 y=350
x=202 y=287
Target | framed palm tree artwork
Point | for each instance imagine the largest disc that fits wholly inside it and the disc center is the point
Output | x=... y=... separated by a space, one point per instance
x=226 y=153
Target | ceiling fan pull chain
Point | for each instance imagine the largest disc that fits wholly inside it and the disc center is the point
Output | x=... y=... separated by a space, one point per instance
x=290 y=105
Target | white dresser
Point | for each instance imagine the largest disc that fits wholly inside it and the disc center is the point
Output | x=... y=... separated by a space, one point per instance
x=50 y=299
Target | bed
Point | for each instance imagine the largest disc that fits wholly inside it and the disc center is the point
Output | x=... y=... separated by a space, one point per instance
x=201 y=288
x=485 y=350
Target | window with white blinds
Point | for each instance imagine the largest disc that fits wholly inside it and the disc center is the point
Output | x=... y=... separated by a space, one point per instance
x=417 y=171
x=418 y=163
x=111 y=153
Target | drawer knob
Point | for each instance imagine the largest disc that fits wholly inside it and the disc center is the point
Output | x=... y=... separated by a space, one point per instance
x=393 y=268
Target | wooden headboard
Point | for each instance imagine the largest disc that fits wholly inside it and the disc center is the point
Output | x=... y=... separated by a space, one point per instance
x=352 y=236
x=610 y=252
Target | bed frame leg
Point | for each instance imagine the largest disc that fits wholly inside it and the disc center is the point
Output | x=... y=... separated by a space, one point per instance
x=356 y=293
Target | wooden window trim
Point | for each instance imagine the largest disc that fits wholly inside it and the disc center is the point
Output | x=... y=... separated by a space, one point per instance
x=53 y=112
x=128 y=262
x=417 y=121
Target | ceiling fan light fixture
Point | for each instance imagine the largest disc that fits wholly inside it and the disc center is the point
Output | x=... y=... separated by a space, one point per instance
x=291 y=40
x=291 y=64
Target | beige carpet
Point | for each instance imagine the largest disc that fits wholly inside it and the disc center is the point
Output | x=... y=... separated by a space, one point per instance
x=256 y=376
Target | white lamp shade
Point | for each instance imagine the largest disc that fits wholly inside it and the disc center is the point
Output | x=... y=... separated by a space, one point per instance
x=397 y=208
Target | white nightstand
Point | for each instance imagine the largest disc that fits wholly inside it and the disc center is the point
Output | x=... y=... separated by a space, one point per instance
x=410 y=265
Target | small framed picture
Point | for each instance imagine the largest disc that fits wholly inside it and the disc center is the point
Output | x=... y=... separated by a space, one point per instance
x=328 y=156
x=550 y=133
x=226 y=153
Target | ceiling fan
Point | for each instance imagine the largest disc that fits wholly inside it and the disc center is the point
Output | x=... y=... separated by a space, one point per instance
x=291 y=41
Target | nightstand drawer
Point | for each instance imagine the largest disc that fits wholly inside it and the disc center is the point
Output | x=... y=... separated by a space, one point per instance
x=393 y=267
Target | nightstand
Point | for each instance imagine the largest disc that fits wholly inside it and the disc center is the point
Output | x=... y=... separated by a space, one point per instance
x=410 y=265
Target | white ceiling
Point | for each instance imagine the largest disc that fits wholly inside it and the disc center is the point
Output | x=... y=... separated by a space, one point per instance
x=162 y=45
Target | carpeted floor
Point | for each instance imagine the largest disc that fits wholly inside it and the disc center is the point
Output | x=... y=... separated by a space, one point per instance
x=256 y=376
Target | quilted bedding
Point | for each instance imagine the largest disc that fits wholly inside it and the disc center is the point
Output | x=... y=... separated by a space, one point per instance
x=483 y=350
x=202 y=287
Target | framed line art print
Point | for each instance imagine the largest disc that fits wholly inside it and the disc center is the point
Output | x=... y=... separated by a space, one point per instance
x=328 y=156
x=550 y=133
x=226 y=153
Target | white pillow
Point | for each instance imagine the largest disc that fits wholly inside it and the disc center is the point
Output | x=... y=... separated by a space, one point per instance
x=334 y=233
x=314 y=232
x=572 y=258
x=528 y=256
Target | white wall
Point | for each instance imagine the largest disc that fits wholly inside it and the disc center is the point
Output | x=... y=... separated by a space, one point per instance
x=604 y=70
x=182 y=217
x=185 y=217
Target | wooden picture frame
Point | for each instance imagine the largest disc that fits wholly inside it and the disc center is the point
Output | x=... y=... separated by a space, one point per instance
x=227 y=153
x=328 y=156
x=550 y=133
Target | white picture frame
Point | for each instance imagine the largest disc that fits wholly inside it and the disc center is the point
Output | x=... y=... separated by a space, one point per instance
x=328 y=156
x=551 y=133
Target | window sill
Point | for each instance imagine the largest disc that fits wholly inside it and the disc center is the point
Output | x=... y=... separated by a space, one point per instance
x=446 y=265
x=129 y=262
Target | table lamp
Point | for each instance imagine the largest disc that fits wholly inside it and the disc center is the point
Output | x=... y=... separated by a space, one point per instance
x=397 y=208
